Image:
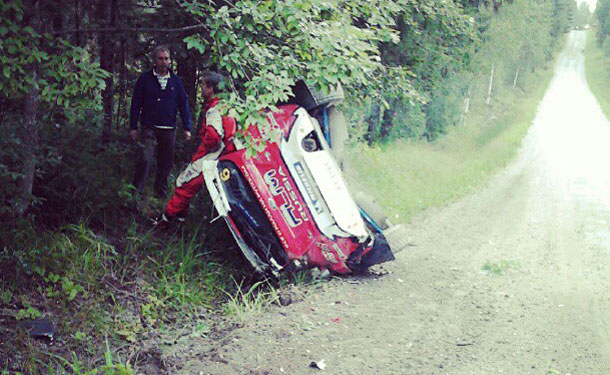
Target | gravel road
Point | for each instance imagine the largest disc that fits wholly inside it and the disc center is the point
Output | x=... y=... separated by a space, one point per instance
x=511 y=280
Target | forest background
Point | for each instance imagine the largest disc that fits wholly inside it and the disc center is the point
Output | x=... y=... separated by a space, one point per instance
x=73 y=241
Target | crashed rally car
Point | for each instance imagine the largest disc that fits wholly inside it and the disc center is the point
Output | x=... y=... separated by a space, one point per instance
x=289 y=207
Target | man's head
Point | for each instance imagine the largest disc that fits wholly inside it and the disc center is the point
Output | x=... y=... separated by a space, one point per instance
x=211 y=84
x=161 y=58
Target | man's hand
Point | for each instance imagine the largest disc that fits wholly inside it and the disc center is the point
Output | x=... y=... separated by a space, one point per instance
x=187 y=135
x=134 y=135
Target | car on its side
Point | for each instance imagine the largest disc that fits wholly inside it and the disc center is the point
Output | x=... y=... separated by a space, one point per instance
x=289 y=207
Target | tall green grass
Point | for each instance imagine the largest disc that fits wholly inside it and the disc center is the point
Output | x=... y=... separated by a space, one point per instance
x=407 y=177
x=97 y=292
x=597 y=71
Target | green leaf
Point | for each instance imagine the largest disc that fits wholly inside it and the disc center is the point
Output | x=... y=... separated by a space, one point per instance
x=7 y=72
x=194 y=42
x=385 y=103
x=72 y=294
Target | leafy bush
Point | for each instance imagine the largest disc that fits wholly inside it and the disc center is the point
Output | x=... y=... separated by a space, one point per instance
x=11 y=152
x=409 y=121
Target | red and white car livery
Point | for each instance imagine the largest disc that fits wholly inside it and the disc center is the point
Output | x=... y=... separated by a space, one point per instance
x=289 y=207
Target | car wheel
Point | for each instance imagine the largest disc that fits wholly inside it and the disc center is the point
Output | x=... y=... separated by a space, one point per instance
x=335 y=95
x=338 y=134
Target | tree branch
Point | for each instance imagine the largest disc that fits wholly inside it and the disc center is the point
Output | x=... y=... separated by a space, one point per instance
x=122 y=30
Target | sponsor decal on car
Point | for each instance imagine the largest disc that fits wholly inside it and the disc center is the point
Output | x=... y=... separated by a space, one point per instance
x=340 y=252
x=289 y=205
x=327 y=252
x=309 y=189
x=272 y=204
x=277 y=230
x=225 y=174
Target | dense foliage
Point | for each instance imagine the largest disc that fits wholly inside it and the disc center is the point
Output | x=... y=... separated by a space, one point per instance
x=410 y=67
x=583 y=16
x=602 y=15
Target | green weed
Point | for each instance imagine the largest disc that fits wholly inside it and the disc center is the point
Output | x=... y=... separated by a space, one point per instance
x=127 y=330
x=79 y=336
x=187 y=275
x=301 y=279
x=28 y=311
x=243 y=305
x=151 y=311
x=500 y=267
x=6 y=296
x=75 y=367
x=61 y=286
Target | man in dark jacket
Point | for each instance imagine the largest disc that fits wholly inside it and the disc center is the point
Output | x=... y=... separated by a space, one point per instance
x=157 y=98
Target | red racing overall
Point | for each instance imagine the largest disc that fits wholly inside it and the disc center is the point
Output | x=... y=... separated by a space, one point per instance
x=217 y=134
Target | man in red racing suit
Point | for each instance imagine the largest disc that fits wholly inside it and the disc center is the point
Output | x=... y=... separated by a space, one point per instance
x=217 y=134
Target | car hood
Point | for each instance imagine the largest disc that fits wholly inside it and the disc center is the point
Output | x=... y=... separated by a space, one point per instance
x=319 y=177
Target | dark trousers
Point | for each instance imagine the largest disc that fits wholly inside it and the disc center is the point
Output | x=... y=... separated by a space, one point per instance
x=164 y=140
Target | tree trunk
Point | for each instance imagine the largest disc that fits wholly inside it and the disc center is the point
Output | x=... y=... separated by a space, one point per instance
x=107 y=16
x=491 y=81
x=187 y=71
x=78 y=36
x=466 y=109
x=122 y=82
x=373 y=121
x=386 y=121
x=516 y=76
x=29 y=130
x=57 y=18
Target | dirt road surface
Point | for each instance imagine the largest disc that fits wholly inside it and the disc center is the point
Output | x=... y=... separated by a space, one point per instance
x=511 y=280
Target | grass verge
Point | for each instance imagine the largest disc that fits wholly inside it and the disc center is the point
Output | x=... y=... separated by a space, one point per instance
x=104 y=299
x=409 y=176
x=597 y=71
x=115 y=305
